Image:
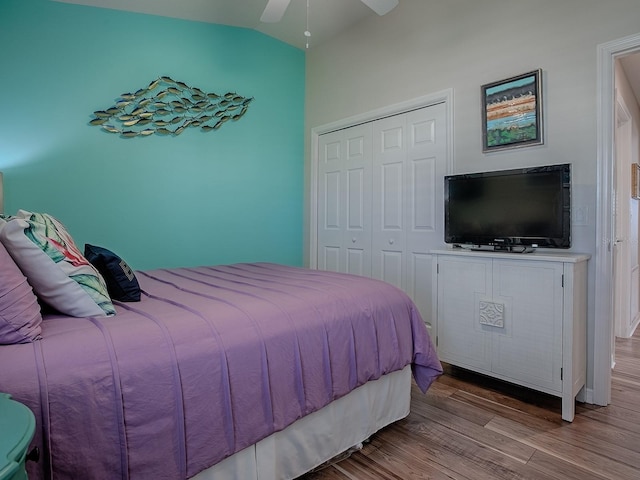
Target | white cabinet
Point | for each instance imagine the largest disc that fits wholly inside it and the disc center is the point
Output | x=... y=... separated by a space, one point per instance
x=516 y=317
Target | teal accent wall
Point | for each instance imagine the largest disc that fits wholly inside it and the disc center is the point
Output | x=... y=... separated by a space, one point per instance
x=200 y=198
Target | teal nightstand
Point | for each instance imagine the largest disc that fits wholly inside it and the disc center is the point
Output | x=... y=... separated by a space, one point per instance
x=17 y=425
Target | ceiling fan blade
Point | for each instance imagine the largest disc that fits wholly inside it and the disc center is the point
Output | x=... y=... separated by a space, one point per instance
x=381 y=7
x=274 y=11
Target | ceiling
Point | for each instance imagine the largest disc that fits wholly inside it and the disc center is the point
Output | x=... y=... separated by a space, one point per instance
x=327 y=18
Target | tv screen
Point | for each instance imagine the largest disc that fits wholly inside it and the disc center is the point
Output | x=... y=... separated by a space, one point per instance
x=528 y=207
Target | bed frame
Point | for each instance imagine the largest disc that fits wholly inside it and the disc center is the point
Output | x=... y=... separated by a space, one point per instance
x=322 y=435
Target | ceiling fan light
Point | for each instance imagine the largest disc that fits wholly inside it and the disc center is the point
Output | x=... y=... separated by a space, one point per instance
x=381 y=7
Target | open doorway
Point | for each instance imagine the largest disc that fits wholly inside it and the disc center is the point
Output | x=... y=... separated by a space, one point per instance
x=626 y=268
x=604 y=327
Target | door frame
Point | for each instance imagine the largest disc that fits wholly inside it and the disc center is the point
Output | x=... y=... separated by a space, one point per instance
x=443 y=96
x=605 y=163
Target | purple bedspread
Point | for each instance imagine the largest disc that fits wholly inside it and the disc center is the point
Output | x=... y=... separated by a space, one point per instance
x=210 y=361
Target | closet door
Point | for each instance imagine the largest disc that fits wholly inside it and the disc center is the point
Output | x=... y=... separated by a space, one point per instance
x=409 y=163
x=426 y=166
x=344 y=201
x=388 y=210
x=380 y=200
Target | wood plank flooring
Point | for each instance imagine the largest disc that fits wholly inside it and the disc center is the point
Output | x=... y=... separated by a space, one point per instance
x=471 y=427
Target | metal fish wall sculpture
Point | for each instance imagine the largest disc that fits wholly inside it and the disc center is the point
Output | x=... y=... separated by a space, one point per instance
x=168 y=107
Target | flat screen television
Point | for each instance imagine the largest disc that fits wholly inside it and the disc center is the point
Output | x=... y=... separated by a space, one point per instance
x=518 y=209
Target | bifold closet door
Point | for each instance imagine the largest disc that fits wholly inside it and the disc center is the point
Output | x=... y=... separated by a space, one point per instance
x=344 y=200
x=380 y=200
x=409 y=163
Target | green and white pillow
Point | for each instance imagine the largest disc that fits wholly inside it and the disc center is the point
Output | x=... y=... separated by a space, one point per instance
x=59 y=274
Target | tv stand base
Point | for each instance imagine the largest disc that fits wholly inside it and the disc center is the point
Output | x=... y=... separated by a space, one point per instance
x=497 y=248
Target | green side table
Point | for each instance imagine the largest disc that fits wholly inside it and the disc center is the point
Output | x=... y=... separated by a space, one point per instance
x=17 y=425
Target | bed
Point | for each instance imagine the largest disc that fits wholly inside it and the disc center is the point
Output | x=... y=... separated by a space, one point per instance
x=243 y=371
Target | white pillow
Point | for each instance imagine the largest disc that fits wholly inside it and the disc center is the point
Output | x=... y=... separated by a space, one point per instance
x=59 y=274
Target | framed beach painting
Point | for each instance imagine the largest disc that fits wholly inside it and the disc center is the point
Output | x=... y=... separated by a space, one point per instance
x=512 y=112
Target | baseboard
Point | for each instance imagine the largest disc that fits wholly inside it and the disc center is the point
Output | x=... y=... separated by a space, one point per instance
x=588 y=395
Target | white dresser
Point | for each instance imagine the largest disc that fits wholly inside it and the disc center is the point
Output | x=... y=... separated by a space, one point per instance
x=517 y=317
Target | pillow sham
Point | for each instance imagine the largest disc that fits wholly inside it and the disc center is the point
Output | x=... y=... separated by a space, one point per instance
x=59 y=274
x=20 y=316
x=122 y=283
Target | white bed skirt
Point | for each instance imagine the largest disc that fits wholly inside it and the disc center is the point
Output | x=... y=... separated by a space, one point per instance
x=320 y=436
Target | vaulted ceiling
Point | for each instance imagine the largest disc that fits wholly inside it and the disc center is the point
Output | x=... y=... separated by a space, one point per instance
x=326 y=17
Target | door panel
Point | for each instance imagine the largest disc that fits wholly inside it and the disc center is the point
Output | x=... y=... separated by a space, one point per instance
x=422 y=206
x=389 y=157
x=391 y=261
x=329 y=205
x=344 y=203
x=426 y=160
x=391 y=196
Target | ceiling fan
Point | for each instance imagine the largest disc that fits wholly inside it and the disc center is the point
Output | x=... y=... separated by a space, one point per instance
x=275 y=9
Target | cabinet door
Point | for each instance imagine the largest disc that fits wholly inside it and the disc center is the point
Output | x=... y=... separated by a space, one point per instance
x=463 y=283
x=528 y=348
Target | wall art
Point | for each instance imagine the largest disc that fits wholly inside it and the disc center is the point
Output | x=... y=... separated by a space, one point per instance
x=168 y=107
x=512 y=112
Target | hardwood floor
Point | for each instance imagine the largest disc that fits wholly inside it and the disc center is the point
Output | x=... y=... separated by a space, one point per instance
x=472 y=427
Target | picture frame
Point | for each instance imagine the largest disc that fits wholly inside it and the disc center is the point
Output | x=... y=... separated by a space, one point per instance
x=635 y=181
x=512 y=112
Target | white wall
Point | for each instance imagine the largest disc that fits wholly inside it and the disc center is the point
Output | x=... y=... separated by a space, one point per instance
x=425 y=46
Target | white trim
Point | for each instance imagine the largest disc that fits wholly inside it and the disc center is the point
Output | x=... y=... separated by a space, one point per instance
x=607 y=54
x=588 y=395
x=444 y=96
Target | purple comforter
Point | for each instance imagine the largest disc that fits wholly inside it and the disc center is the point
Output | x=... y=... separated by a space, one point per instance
x=210 y=361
